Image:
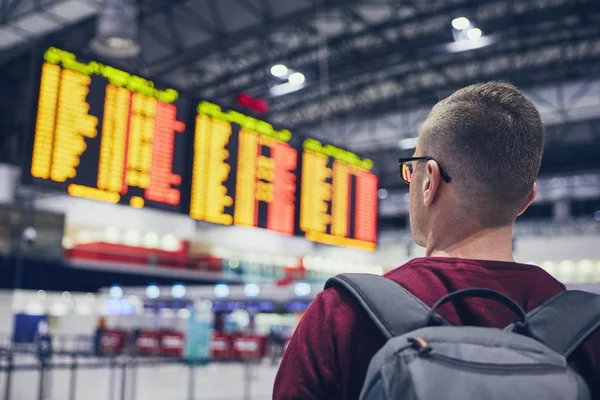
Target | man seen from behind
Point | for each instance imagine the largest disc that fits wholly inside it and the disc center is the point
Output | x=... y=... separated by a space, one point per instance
x=473 y=173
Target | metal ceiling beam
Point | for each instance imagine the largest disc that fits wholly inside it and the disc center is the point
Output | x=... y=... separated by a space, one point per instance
x=306 y=58
x=8 y=7
x=558 y=156
x=373 y=61
x=367 y=132
x=305 y=120
x=568 y=158
x=80 y=30
x=408 y=89
x=299 y=57
x=168 y=63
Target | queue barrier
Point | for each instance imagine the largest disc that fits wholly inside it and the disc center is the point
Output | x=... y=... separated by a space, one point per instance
x=123 y=372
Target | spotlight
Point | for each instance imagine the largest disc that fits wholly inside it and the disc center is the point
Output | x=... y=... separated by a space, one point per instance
x=251 y=290
x=152 y=292
x=474 y=33
x=279 y=70
x=461 y=23
x=297 y=78
x=221 y=290
x=407 y=143
x=302 y=289
x=178 y=291
x=115 y=292
x=117 y=30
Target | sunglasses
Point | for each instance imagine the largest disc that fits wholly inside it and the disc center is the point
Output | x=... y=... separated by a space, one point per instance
x=406 y=168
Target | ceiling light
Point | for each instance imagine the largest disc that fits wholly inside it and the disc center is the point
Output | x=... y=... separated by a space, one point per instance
x=152 y=292
x=59 y=310
x=67 y=243
x=407 y=143
x=474 y=33
x=151 y=240
x=111 y=235
x=178 y=291
x=383 y=194
x=117 y=30
x=251 y=290
x=132 y=238
x=221 y=290
x=170 y=243
x=297 y=78
x=279 y=70
x=302 y=289
x=34 y=308
x=115 y=292
x=467 y=45
x=284 y=88
x=461 y=23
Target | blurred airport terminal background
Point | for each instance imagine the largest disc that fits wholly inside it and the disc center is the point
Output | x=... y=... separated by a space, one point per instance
x=178 y=178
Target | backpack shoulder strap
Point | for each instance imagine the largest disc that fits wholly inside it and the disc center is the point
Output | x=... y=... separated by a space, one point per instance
x=566 y=321
x=393 y=309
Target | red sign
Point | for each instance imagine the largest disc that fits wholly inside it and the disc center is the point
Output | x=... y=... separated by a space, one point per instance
x=220 y=346
x=112 y=342
x=172 y=343
x=147 y=343
x=259 y=106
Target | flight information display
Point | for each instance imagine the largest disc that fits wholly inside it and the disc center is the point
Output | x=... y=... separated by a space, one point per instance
x=104 y=134
x=338 y=197
x=244 y=171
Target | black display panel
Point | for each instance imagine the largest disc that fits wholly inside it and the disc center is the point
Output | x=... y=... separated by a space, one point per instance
x=337 y=197
x=244 y=171
x=104 y=134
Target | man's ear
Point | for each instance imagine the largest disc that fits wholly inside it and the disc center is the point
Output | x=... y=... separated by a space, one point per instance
x=431 y=183
x=529 y=200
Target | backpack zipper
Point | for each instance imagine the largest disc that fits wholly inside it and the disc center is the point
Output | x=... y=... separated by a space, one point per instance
x=503 y=369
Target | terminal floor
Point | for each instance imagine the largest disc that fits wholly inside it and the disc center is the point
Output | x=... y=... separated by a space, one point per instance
x=164 y=382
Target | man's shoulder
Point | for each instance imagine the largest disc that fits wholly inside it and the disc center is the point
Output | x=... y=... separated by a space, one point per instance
x=333 y=300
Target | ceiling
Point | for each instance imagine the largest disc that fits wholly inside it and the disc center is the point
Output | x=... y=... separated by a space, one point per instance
x=368 y=64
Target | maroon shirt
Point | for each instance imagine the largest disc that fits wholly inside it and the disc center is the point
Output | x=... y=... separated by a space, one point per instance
x=329 y=353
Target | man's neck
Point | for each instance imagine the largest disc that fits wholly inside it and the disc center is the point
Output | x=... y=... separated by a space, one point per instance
x=487 y=244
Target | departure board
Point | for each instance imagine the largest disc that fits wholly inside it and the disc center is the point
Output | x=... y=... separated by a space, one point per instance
x=244 y=171
x=104 y=134
x=338 y=197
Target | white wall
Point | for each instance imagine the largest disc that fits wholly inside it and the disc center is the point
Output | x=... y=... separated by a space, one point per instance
x=570 y=259
x=252 y=240
x=393 y=256
x=93 y=214
x=556 y=248
x=75 y=314
x=89 y=213
x=9 y=177
x=7 y=319
x=342 y=254
x=393 y=251
x=405 y=123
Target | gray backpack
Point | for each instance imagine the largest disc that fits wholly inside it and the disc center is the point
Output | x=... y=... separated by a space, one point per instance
x=425 y=358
